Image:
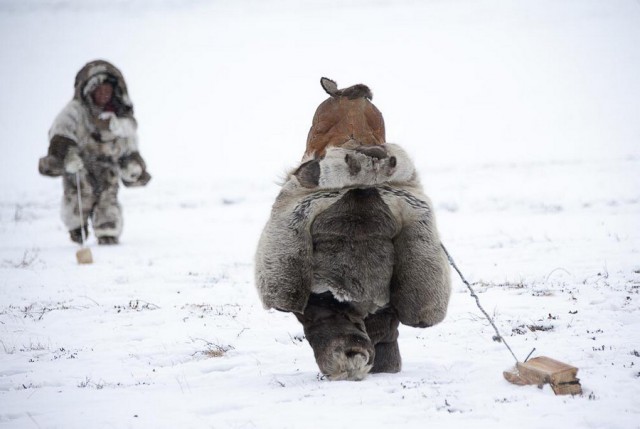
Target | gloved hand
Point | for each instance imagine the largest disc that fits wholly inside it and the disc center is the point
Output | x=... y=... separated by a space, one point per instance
x=131 y=172
x=50 y=166
x=72 y=162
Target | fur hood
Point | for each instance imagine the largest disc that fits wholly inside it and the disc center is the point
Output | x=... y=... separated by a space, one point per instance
x=353 y=164
x=93 y=74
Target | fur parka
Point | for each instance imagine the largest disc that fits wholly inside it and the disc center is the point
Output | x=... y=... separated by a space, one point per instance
x=357 y=224
x=99 y=147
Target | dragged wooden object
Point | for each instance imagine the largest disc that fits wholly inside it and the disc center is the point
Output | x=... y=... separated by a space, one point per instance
x=84 y=256
x=542 y=370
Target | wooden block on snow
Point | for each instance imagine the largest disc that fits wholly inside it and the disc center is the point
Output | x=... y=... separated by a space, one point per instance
x=84 y=256
x=542 y=370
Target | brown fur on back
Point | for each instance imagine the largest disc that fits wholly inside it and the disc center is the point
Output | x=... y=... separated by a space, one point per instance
x=347 y=115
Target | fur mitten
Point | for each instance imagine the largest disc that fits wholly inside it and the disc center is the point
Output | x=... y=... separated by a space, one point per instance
x=72 y=162
x=133 y=170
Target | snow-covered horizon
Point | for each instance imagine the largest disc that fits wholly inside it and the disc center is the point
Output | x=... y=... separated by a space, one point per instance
x=521 y=116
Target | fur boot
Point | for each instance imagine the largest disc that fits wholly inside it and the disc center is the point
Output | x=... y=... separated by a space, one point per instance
x=337 y=335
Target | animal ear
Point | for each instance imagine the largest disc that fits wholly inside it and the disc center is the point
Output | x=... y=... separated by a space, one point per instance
x=308 y=174
x=330 y=86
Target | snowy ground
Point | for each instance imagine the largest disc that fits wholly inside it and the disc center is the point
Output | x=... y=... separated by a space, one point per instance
x=522 y=117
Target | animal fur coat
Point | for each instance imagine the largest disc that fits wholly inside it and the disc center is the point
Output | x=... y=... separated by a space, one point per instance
x=356 y=223
x=100 y=144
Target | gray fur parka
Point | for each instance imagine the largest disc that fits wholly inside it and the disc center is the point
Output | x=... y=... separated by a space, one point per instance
x=355 y=223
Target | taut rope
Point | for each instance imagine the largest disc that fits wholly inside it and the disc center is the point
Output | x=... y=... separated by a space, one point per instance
x=473 y=294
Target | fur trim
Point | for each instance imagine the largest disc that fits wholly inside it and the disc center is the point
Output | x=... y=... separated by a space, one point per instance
x=93 y=83
x=350 y=165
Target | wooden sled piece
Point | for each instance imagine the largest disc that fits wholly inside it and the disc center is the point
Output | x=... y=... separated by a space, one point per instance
x=84 y=256
x=542 y=370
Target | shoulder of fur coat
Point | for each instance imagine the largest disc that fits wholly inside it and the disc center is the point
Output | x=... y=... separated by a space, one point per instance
x=76 y=123
x=420 y=286
x=69 y=121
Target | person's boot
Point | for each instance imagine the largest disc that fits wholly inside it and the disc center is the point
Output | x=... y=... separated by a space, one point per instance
x=387 y=358
x=108 y=240
x=338 y=338
x=382 y=328
x=76 y=235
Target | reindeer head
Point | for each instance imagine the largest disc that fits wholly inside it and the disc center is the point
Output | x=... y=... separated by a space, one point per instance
x=347 y=115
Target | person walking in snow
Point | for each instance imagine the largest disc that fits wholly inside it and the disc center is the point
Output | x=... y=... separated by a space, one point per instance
x=94 y=136
x=351 y=246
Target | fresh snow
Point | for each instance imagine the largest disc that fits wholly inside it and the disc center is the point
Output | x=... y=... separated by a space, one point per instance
x=523 y=120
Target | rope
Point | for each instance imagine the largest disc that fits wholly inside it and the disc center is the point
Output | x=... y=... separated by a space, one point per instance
x=82 y=237
x=473 y=294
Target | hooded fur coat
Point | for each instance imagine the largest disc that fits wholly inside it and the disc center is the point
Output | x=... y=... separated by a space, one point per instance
x=357 y=224
x=106 y=143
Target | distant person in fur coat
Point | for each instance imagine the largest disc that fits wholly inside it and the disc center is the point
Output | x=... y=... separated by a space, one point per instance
x=95 y=136
x=351 y=247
